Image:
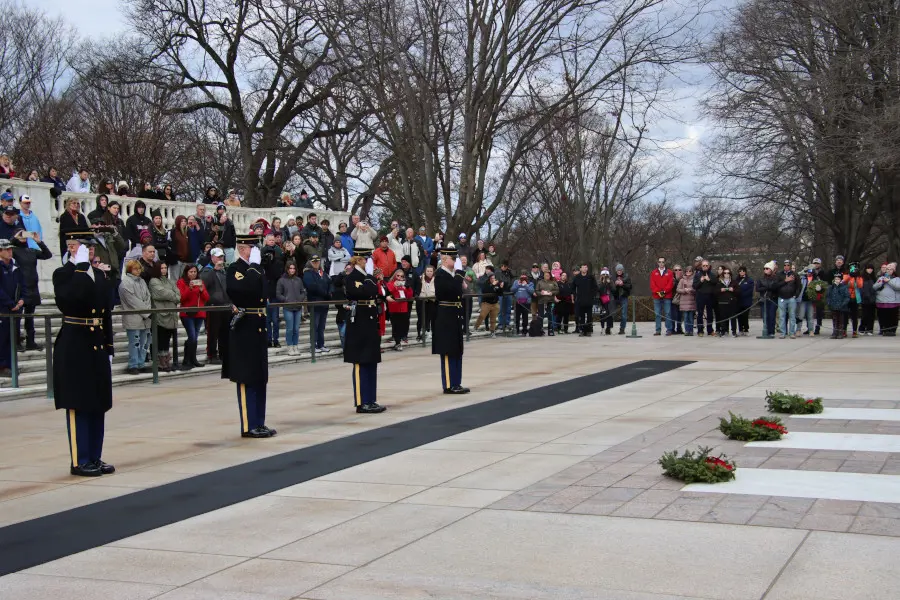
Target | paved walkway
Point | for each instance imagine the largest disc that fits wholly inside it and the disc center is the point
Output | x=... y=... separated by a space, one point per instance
x=564 y=502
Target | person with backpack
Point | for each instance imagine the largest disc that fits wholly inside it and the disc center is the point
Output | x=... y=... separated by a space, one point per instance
x=522 y=290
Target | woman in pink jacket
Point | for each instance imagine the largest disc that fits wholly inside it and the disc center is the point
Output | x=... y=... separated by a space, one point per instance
x=688 y=302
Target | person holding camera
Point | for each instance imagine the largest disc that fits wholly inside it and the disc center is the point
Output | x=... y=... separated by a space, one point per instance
x=193 y=295
x=705 y=282
x=26 y=259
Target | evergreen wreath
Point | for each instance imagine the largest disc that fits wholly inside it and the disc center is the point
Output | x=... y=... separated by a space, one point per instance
x=697 y=466
x=762 y=429
x=795 y=404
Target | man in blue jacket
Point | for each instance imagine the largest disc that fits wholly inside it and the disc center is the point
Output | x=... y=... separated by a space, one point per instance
x=318 y=289
x=9 y=225
x=10 y=302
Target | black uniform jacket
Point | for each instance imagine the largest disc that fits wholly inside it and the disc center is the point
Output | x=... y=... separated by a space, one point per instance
x=82 y=379
x=246 y=358
x=449 y=321
x=362 y=343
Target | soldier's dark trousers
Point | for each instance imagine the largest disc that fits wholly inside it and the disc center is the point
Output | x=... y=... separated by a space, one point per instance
x=365 y=383
x=85 y=435
x=252 y=406
x=451 y=371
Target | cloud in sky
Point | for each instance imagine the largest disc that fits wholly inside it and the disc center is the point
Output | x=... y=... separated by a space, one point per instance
x=90 y=17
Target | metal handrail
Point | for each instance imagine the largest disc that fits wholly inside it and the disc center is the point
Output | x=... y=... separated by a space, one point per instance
x=153 y=312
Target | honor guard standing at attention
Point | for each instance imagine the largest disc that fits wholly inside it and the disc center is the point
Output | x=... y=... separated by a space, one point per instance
x=246 y=360
x=362 y=344
x=82 y=354
x=449 y=322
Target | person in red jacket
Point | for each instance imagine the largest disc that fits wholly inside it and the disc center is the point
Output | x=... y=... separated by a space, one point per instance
x=398 y=308
x=193 y=293
x=662 y=287
x=384 y=258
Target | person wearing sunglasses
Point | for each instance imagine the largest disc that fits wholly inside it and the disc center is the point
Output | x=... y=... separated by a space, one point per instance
x=768 y=295
x=676 y=315
x=727 y=297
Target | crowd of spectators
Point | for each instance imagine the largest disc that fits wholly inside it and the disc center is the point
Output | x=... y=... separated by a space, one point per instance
x=724 y=298
x=152 y=266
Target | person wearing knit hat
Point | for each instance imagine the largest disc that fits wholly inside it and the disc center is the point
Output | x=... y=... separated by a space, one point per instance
x=621 y=292
x=766 y=286
x=838 y=269
x=384 y=258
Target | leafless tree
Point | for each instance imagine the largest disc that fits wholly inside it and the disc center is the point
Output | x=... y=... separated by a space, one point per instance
x=34 y=53
x=807 y=94
x=454 y=82
x=265 y=65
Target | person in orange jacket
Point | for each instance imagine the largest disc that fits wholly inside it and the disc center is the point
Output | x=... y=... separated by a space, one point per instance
x=384 y=258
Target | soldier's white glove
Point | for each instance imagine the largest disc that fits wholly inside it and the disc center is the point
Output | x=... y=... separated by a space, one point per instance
x=457 y=265
x=370 y=267
x=110 y=360
x=82 y=255
x=255 y=256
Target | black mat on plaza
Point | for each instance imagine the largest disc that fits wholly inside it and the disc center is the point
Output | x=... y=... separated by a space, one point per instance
x=30 y=543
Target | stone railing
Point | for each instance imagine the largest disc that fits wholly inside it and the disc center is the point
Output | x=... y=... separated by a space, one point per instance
x=48 y=210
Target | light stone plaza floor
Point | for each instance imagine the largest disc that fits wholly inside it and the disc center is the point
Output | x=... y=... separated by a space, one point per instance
x=565 y=502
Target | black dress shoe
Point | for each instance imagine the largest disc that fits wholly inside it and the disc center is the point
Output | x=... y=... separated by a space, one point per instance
x=214 y=361
x=86 y=470
x=457 y=389
x=104 y=468
x=259 y=432
x=269 y=429
x=34 y=346
x=371 y=408
x=132 y=371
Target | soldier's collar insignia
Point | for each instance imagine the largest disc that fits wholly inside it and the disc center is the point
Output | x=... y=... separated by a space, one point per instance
x=238 y=276
x=358 y=284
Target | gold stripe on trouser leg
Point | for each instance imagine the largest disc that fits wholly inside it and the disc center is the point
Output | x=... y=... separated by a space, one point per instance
x=73 y=441
x=245 y=427
x=356 y=389
x=447 y=372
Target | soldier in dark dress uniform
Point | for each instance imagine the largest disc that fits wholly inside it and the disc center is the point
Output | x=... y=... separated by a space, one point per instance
x=82 y=353
x=362 y=343
x=449 y=322
x=246 y=360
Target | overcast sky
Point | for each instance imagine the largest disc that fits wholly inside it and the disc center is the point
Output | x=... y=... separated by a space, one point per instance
x=682 y=136
x=90 y=17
